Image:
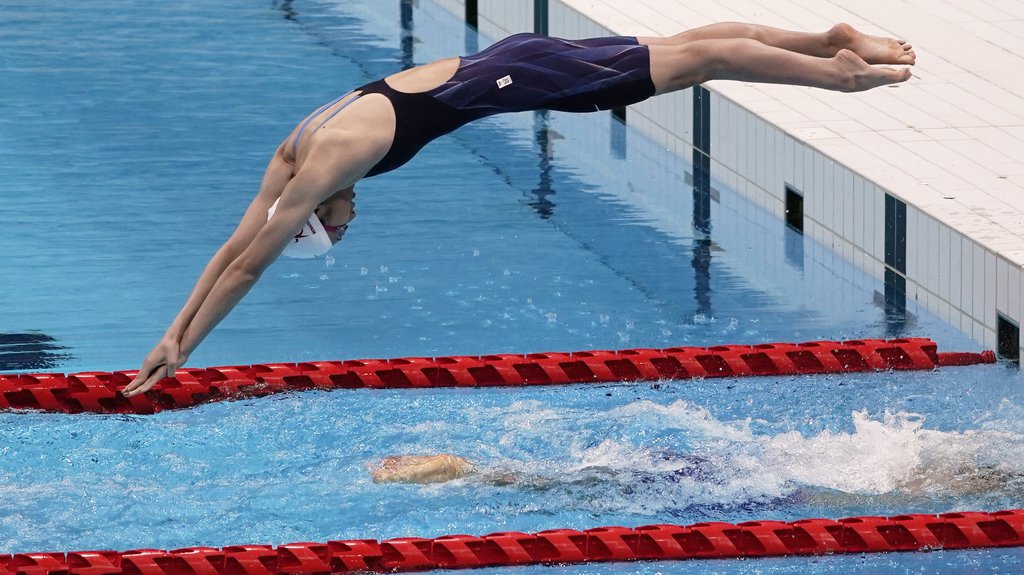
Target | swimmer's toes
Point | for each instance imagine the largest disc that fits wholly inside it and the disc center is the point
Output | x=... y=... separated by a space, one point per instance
x=885 y=51
x=861 y=76
x=908 y=57
x=873 y=49
x=899 y=74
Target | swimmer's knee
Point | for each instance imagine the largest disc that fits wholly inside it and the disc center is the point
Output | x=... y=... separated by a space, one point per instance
x=679 y=66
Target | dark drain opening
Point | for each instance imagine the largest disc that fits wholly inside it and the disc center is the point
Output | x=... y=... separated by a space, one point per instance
x=1008 y=339
x=794 y=210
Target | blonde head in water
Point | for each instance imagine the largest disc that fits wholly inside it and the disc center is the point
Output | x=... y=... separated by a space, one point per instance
x=420 y=468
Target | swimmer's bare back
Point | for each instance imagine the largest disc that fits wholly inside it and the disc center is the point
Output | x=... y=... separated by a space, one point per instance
x=370 y=118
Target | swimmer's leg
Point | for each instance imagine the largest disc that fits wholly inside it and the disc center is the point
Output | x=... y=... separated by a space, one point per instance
x=872 y=49
x=678 y=66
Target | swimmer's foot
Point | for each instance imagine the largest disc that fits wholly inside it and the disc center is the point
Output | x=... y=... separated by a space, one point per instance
x=872 y=49
x=857 y=75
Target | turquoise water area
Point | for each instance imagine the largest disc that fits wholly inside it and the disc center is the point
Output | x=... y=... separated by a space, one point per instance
x=134 y=133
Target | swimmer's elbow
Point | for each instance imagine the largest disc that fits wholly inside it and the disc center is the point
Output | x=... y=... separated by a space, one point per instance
x=252 y=262
x=243 y=273
x=247 y=276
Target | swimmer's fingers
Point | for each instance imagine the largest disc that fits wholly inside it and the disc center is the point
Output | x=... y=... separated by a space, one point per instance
x=162 y=362
x=148 y=376
x=148 y=365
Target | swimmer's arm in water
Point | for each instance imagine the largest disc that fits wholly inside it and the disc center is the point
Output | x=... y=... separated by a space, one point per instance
x=241 y=261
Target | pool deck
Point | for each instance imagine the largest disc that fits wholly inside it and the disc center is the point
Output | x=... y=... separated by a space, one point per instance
x=949 y=142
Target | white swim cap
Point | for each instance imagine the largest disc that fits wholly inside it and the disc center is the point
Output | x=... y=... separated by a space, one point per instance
x=310 y=242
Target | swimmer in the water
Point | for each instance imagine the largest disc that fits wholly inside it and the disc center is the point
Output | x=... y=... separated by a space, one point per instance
x=307 y=198
x=956 y=480
x=445 y=467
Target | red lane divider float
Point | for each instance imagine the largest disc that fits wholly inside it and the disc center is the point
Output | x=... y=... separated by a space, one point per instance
x=98 y=391
x=650 y=542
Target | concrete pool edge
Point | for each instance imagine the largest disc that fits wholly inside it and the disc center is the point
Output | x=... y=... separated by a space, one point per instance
x=906 y=231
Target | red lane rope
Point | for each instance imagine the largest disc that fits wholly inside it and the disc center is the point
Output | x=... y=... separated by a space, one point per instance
x=98 y=392
x=650 y=542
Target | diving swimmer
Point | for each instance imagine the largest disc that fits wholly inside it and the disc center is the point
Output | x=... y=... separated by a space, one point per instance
x=306 y=200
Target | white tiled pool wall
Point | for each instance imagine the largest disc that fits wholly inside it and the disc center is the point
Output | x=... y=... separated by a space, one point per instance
x=946 y=272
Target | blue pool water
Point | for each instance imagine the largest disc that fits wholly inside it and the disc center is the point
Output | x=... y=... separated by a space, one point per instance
x=133 y=135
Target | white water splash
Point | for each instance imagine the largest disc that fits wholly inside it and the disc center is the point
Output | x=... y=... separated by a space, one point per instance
x=892 y=455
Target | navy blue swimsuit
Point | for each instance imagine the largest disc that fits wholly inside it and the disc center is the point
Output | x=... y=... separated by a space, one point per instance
x=522 y=72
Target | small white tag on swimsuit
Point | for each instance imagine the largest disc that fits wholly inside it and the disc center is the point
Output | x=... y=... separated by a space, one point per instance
x=502 y=82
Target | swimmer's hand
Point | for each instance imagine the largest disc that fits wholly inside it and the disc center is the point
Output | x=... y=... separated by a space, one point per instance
x=163 y=361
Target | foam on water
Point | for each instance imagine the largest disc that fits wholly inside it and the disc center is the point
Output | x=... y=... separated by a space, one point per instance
x=706 y=462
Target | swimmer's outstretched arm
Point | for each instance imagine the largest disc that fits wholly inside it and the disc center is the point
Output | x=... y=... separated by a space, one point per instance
x=276 y=177
x=166 y=355
x=256 y=243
